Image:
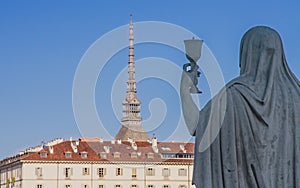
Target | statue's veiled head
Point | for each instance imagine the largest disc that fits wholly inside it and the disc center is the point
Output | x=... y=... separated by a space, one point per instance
x=258 y=48
x=261 y=59
x=263 y=63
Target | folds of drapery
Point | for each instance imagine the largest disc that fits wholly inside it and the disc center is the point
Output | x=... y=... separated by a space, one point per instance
x=249 y=134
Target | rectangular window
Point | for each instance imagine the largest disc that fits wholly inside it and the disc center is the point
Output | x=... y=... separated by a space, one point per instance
x=43 y=154
x=116 y=155
x=68 y=172
x=68 y=155
x=134 y=186
x=119 y=171
x=85 y=171
x=84 y=155
x=101 y=172
x=150 y=155
x=166 y=186
x=100 y=186
x=38 y=172
x=103 y=155
x=18 y=173
x=150 y=186
x=39 y=186
x=67 y=186
x=133 y=155
x=166 y=172
x=182 y=172
x=118 y=186
x=133 y=172
x=150 y=172
x=85 y=186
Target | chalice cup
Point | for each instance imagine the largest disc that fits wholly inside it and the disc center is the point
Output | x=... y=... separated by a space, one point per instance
x=193 y=49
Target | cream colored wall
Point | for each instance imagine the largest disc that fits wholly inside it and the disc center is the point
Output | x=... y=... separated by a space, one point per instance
x=11 y=171
x=53 y=175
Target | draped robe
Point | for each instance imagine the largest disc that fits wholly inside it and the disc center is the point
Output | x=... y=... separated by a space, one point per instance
x=248 y=135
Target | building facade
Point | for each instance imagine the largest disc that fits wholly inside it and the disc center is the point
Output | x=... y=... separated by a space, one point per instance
x=94 y=163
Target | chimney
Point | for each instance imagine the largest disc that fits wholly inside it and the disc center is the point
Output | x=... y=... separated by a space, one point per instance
x=182 y=148
x=154 y=145
x=51 y=149
x=74 y=147
x=106 y=149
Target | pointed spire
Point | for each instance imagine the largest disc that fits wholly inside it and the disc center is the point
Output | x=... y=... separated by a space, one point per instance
x=131 y=120
x=131 y=39
x=131 y=68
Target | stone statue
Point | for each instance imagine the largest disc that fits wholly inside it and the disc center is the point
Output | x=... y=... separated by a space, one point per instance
x=193 y=53
x=193 y=73
x=248 y=135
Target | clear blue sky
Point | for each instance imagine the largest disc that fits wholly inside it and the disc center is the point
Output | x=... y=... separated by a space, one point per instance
x=42 y=42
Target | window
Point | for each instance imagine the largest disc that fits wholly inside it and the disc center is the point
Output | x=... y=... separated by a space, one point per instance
x=18 y=173
x=150 y=186
x=167 y=155
x=68 y=172
x=166 y=172
x=133 y=172
x=68 y=186
x=38 y=172
x=100 y=186
x=39 y=186
x=150 y=155
x=85 y=171
x=134 y=186
x=43 y=154
x=182 y=186
x=85 y=186
x=182 y=172
x=84 y=155
x=133 y=155
x=116 y=155
x=119 y=171
x=118 y=186
x=150 y=172
x=103 y=155
x=101 y=172
x=177 y=155
x=166 y=186
x=68 y=154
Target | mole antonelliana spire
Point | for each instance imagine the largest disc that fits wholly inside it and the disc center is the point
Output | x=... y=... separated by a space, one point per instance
x=131 y=120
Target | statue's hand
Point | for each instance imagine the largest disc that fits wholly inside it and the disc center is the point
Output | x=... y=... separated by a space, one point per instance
x=186 y=84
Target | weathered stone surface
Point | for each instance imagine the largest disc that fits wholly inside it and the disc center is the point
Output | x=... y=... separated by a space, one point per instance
x=248 y=136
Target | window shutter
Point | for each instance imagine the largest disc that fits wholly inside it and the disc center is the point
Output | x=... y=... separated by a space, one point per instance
x=121 y=171
x=98 y=169
x=104 y=171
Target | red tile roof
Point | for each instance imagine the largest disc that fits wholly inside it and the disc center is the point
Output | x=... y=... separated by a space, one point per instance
x=94 y=147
